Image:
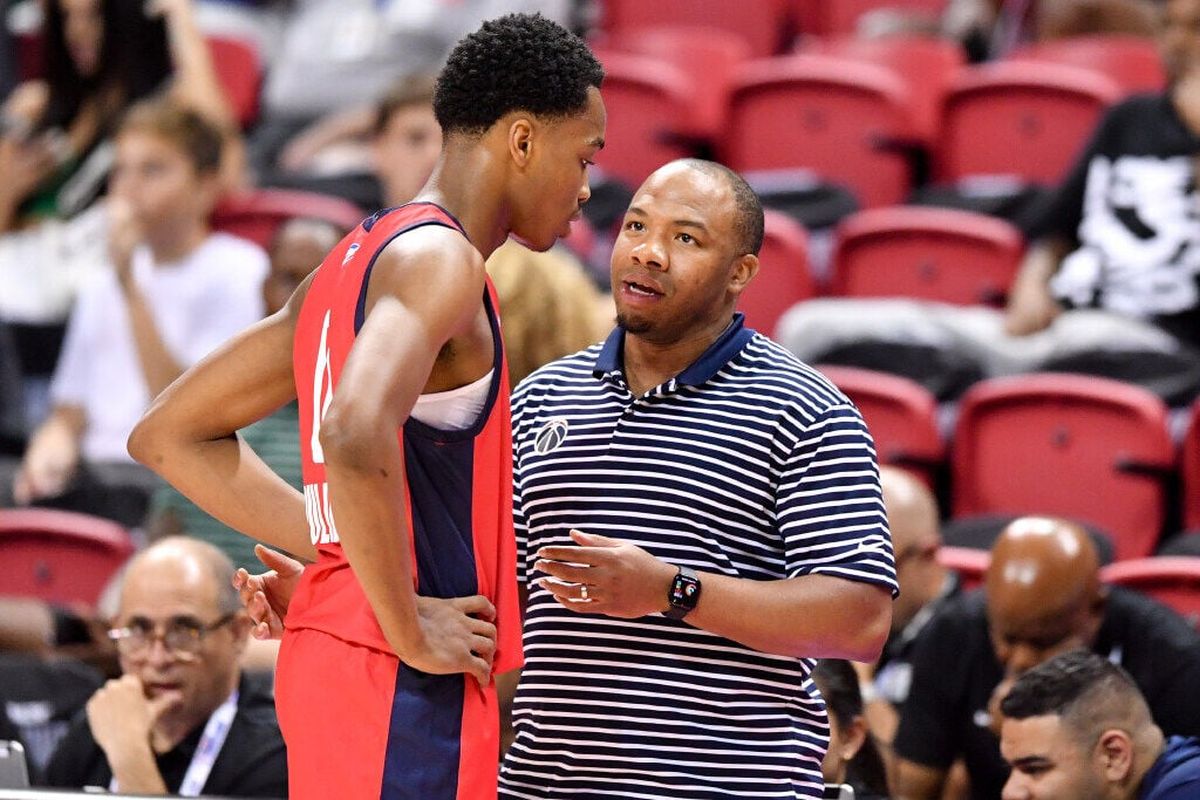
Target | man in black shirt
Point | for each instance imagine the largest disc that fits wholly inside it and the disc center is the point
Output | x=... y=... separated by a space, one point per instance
x=1042 y=597
x=181 y=719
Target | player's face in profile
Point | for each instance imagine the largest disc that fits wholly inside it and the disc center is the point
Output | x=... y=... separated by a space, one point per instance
x=557 y=183
x=1048 y=763
x=673 y=262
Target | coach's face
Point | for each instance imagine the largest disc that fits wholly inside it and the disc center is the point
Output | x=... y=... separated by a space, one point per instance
x=675 y=266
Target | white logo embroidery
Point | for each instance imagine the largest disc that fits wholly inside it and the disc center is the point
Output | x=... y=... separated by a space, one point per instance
x=550 y=437
x=350 y=251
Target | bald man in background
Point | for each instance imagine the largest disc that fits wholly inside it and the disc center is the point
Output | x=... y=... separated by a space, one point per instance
x=925 y=585
x=1042 y=596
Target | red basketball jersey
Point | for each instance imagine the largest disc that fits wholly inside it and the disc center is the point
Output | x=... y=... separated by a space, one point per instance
x=459 y=482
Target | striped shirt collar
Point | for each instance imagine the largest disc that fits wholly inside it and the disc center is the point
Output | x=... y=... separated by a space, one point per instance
x=610 y=360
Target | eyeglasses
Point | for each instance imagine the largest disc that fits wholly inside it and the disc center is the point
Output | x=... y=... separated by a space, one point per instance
x=182 y=636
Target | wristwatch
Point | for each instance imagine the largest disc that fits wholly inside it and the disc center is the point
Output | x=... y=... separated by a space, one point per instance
x=683 y=594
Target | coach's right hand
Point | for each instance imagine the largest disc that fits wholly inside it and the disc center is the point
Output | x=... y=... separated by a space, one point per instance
x=459 y=636
x=267 y=595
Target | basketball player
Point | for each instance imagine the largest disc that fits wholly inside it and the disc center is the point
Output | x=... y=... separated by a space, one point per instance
x=400 y=375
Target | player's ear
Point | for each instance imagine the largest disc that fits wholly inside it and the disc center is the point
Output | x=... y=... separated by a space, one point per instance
x=520 y=141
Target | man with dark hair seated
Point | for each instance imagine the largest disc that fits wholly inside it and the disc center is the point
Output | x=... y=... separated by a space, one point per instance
x=1077 y=728
x=1042 y=596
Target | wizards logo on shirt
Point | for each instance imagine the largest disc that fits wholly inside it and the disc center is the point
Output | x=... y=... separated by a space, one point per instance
x=550 y=437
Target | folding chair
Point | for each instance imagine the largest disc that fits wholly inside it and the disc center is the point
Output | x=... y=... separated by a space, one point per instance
x=257 y=214
x=1076 y=446
x=240 y=72
x=650 y=115
x=1173 y=581
x=1019 y=120
x=59 y=556
x=936 y=254
x=900 y=414
x=1133 y=62
x=784 y=277
x=846 y=121
x=926 y=64
x=760 y=23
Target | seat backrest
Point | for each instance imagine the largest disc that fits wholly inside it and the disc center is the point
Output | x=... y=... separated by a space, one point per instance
x=926 y=64
x=1191 y=471
x=901 y=416
x=1020 y=120
x=239 y=70
x=649 y=108
x=970 y=564
x=1133 y=62
x=708 y=57
x=59 y=556
x=1075 y=446
x=845 y=120
x=784 y=275
x=256 y=215
x=1173 y=581
x=760 y=23
x=937 y=254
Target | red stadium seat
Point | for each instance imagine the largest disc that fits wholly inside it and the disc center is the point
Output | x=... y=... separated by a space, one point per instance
x=30 y=56
x=900 y=414
x=257 y=214
x=649 y=110
x=240 y=73
x=1076 y=446
x=1191 y=472
x=926 y=64
x=928 y=253
x=784 y=277
x=706 y=57
x=1019 y=120
x=59 y=556
x=846 y=121
x=1133 y=62
x=970 y=564
x=760 y=23
x=841 y=17
x=1173 y=581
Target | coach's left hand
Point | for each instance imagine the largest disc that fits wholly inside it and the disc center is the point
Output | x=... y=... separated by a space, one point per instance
x=605 y=576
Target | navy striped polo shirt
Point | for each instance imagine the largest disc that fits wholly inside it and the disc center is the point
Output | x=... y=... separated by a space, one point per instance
x=749 y=464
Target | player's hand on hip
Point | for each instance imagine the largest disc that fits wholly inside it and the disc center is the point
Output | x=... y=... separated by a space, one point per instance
x=266 y=595
x=605 y=576
x=459 y=636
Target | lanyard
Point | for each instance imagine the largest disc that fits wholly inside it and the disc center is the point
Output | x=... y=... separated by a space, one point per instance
x=211 y=741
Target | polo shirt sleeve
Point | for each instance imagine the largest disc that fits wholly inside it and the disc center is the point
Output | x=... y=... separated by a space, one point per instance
x=829 y=504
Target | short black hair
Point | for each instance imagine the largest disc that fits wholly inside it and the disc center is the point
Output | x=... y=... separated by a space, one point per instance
x=749 y=223
x=1070 y=685
x=518 y=62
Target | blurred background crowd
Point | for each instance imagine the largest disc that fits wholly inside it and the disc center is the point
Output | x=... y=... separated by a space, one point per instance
x=983 y=225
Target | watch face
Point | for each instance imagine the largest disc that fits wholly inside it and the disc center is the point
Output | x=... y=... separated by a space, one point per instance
x=684 y=591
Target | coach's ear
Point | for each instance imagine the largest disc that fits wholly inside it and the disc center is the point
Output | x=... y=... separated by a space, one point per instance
x=743 y=270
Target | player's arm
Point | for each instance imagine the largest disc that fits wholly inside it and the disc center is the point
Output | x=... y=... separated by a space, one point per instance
x=424 y=289
x=189 y=434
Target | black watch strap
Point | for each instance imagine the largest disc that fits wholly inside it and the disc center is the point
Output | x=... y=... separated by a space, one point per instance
x=683 y=594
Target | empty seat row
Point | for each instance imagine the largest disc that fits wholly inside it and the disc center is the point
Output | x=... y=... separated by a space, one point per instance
x=1085 y=448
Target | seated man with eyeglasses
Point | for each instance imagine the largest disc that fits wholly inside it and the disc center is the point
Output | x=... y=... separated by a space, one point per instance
x=181 y=719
